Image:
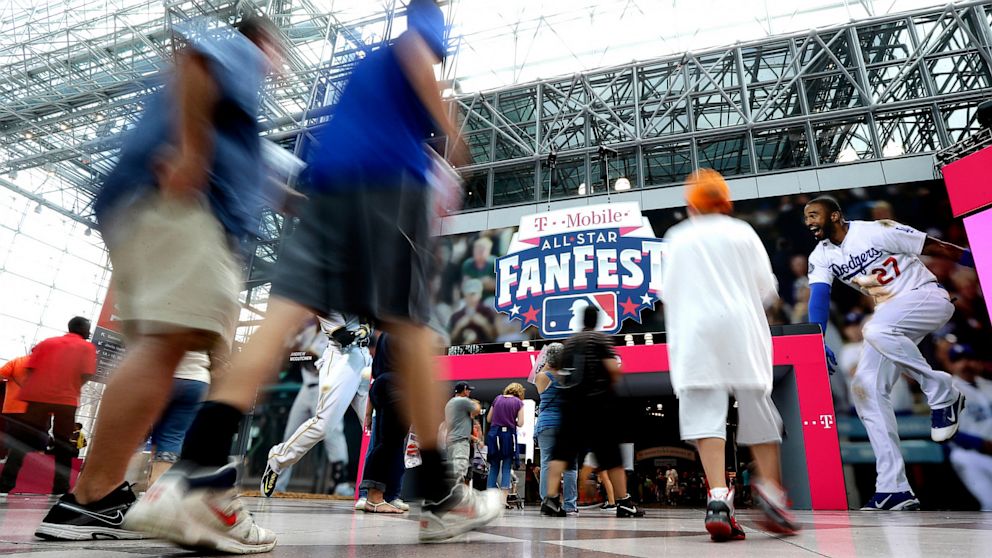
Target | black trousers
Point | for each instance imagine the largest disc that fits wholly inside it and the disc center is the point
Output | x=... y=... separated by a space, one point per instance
x=384 y=466
x=31 y=434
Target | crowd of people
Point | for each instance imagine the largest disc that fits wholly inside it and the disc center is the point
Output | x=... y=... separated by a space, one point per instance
x=186 y=191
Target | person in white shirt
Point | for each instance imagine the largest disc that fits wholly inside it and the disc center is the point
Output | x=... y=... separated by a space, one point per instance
x=881 y=259
x=342 y=382
x=717 y=281
x=971 y=449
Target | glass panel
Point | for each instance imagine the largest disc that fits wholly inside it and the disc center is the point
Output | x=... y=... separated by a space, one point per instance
x=728 y=156
x=667 y=163
x=782 y=148
x=661 y=81
x=616 y=90
x=480 y=146
x=568 y=132
x=713 y=111
x=785 y=103
x=513 y=185
x=623 y=165
x=963 y=72
x=507 y=146
x=960 y=120
x=570 y=178
x=670 y=119
x=476 y=187
x=722 y=68
x=518 y=105
x=910 y=86
x=885 y=43
x=767 y=63
x=843 y=141
x=907 y=132
x=830 y=92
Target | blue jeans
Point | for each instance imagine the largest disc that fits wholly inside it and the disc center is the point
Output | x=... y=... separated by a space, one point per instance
x=546 y=441
x=500 y=470
x=170 y=430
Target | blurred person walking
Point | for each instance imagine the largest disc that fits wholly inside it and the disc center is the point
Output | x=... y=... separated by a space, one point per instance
x=55 y=373
x=506 y=414
x=590 y=417
x=363 y=247
x=971 y=449
x=548 y=426
x=718 y=281
x=186 y=189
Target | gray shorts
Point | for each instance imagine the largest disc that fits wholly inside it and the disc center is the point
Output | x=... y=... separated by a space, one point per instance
x=367 y=251
x=703 y=414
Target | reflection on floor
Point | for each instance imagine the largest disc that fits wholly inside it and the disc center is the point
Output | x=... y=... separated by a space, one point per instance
x=331 y=529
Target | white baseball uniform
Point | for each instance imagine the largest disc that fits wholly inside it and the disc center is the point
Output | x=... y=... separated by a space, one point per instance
x=881 y=259
x=973 y=466
x=342 y=382
x=716 y=280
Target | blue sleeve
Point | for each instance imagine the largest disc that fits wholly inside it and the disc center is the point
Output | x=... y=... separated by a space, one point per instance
x=819 y=305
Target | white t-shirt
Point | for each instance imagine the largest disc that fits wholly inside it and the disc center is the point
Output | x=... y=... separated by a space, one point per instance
x=716 y=279
x=879 y=258
x=976 y=418
x=195 y=365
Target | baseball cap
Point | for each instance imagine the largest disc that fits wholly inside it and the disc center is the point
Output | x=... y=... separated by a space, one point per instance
x=707 y=192
x=852 y=318
x=462 y=386
x=960 y=351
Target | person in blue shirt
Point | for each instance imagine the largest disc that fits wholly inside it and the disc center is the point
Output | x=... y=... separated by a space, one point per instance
x=363 y=246
x=184 y=191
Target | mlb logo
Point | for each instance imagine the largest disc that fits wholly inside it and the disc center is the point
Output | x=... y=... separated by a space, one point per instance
x=563 y=314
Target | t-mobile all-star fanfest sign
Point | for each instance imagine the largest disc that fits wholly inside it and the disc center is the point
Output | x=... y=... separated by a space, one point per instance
x=562 y=261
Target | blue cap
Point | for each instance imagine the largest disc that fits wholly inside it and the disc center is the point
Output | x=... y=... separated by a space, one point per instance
x=960 y=351
x=425 y=17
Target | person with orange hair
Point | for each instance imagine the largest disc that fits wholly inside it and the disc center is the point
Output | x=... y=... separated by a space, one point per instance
x=717 y=282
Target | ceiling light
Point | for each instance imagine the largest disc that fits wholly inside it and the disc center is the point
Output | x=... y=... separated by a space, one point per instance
x=621 y=184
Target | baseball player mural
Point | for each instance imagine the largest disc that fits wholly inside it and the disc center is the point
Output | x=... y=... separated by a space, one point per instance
x=342 y=382
x=881 y=259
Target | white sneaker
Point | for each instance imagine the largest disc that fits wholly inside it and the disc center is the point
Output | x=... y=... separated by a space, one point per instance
x=473 y=510
x=199 y=510
x=360 y=504
x=400 y=504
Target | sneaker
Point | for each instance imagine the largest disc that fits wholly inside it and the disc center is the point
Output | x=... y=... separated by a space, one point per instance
x=607 y=507
x=68 y=520
x=772 y=502
x=893 y=501
x=269 y=478
x=360 y=504
x=627 y=508
x=720 y=521
x=552 y=507
x=400 y=504
x=199 y=509
x=472 y=510
x=944 y=421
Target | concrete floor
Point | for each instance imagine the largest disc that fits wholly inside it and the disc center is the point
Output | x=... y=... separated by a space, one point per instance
x=331 y=529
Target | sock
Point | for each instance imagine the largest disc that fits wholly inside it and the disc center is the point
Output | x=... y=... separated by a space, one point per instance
x=719 y=493
x=433 y=483
x=208 y=442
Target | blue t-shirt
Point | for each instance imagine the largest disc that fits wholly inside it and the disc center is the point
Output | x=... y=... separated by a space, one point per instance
x=235 y=182
x=377 y=131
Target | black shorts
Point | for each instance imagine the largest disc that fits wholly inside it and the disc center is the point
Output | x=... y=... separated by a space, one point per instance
x=592 y=424
x=367 y=251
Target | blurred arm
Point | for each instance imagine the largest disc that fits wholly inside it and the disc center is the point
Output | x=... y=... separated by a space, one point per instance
x=196 y=94
x=946 y=250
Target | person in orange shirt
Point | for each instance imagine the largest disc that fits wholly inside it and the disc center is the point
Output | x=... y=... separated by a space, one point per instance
x=13 y=373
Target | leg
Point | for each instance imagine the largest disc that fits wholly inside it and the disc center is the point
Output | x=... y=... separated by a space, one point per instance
x=303 y=409
x=136 y=394
x=545 y=440
x=571 y=502
x=975 y=471
x=63 y=421
x=605 y=480
x=899 y=325
x=870 y=387
x=24 y=436
x=170 y=431
x=390 y=432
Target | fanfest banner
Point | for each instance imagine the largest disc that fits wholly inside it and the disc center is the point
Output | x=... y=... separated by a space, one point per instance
x=559 y=262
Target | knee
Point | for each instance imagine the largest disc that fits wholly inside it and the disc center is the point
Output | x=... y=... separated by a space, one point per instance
x=873 y=332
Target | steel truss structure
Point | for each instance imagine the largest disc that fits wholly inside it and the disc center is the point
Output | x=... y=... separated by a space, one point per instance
x=883 y=87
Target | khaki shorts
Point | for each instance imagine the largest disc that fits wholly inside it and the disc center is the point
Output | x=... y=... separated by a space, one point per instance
x=173 y=269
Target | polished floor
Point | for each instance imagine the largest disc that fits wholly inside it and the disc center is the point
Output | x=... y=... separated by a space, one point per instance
x=330 y=529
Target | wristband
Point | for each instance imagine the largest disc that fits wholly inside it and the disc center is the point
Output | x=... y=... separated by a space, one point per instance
x=967 y=258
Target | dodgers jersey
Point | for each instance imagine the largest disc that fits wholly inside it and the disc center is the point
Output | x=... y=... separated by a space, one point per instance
x=879 y=258
x=976 y=418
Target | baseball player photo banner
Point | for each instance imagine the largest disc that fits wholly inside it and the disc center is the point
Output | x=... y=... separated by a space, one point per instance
x=559 y=262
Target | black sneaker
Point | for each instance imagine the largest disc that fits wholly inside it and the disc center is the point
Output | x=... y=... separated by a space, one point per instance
x=552 y=507
x=607 y=507
x=720 y=521
x=627 y=508
x=268 y=484
x=69 y=520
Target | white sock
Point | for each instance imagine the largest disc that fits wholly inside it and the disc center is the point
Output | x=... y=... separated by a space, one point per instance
x=719 y=493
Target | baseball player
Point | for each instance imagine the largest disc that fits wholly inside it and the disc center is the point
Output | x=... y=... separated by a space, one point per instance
x=341 y=382
x=717 y=283
x=881 y=259
x=971 y=449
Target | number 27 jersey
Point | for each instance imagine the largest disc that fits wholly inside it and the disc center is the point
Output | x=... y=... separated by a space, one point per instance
x=879 y=258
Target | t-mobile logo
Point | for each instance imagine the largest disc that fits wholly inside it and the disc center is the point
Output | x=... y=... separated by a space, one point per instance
x=826 y=420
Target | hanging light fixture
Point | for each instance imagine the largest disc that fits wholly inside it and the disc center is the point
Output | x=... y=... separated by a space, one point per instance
x=621 y=184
